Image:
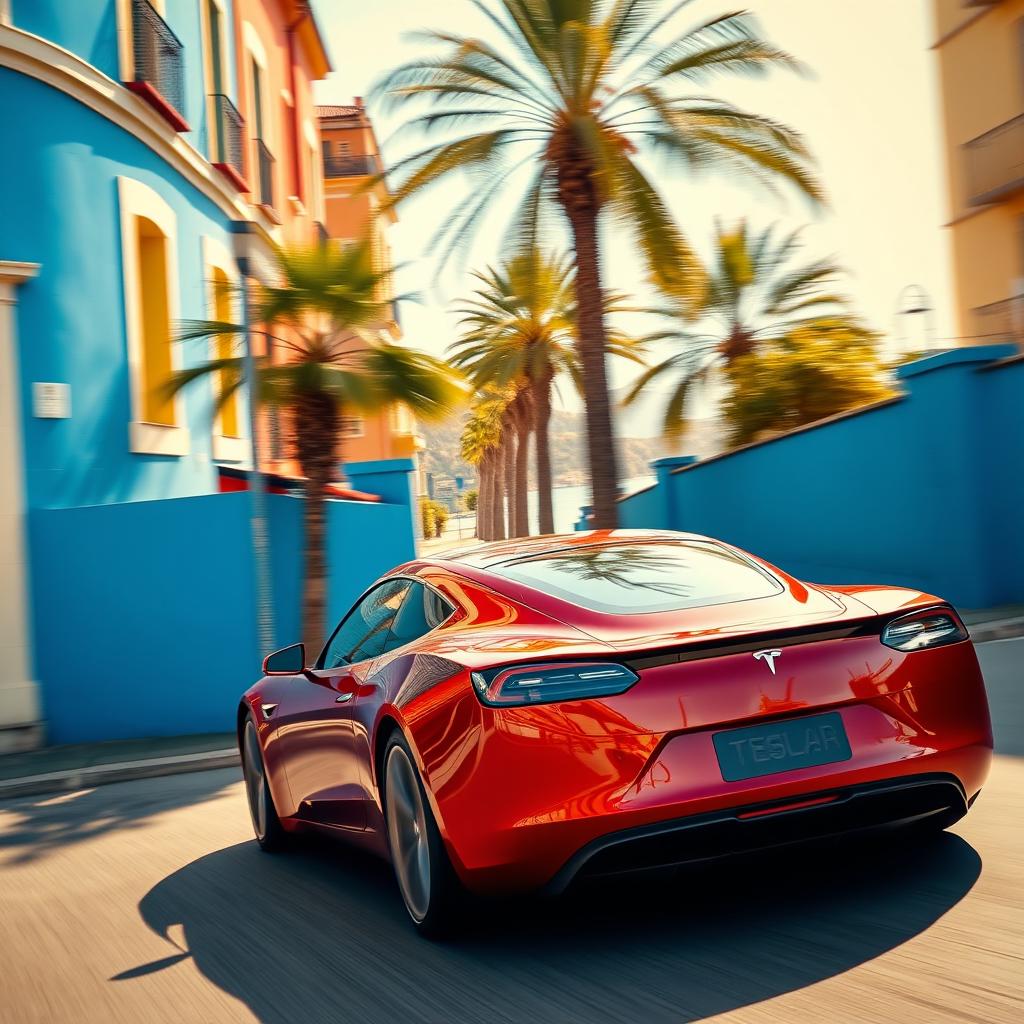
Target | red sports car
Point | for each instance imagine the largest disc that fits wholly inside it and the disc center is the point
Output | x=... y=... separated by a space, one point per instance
x=522 y=714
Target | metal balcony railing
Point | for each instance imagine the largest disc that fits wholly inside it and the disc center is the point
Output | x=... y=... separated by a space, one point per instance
x=350 y=166
x=229 y=142
x=265 y=166
x=1000 y=321
x=995 y=163
x=159 y=58
x=321 y=232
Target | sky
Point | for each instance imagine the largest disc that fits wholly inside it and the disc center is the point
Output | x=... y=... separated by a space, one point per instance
x=869 y=109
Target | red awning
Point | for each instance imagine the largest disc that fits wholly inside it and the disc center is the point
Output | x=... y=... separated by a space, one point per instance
x=232 y=479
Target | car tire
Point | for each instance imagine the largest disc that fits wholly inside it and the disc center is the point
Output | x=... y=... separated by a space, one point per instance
x=426 y=880
x=266 y=825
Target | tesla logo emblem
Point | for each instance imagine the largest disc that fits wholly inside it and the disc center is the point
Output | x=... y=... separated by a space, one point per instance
x=768 y=657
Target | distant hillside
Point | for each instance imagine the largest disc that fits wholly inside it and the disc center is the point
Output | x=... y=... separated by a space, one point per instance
x=568 y=457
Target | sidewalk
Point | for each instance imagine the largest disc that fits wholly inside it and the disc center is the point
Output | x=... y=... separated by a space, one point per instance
x=1005 y=622
x=83 y=765
x=460 y=532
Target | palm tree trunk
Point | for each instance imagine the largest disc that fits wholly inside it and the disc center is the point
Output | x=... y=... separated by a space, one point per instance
x=314 y=591
x=523 y=421
x=592 y=342
x=316 y=442
x=508 y=453
x=483 y=483
x=498 y=502
x=485 y=498
x=542 y=453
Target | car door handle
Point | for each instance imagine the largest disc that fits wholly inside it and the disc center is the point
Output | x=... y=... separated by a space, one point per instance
x=344 y=698
x=268 y=710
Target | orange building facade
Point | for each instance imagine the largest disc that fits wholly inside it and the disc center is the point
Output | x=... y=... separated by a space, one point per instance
x=351 y=157
x=980 y=50
x=279 y=54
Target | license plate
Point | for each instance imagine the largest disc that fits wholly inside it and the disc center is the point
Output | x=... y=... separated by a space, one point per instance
x=781 y=746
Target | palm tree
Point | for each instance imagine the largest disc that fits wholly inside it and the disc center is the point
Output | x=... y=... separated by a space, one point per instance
x=322 y=314
x=573 y=90
x=519 y=426
x=519 y=327
x=481 y=446
x=757 y=293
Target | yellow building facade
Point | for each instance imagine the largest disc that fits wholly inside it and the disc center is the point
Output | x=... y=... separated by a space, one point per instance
x=980 y=48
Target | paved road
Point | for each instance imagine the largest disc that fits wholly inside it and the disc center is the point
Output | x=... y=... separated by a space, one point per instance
x=147 y=901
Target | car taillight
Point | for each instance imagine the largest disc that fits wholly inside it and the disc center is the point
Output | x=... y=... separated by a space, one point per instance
x=932 y=627
x=517 y=685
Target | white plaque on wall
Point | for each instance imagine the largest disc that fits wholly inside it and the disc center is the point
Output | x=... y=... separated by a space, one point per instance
x=51 y=401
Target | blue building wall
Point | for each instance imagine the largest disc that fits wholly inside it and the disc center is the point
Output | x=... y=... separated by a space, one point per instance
x=1002 y=475
x=88 y=28
x=354 y=563
x=59 y=208
x=925 y=492
x=145 y=611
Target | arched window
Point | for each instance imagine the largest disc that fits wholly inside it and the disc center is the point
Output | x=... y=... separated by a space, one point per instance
x=154 y=303
x=229 y=441
x=149 y=260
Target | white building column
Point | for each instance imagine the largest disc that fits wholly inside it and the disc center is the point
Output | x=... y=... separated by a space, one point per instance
x=20 y=718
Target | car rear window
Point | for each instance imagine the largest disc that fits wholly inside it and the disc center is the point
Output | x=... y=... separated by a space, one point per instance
x=635 y=579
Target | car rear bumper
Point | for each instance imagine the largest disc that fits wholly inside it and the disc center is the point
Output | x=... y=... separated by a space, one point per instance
x=934 y=798
x=533 y=787
x=530 y=853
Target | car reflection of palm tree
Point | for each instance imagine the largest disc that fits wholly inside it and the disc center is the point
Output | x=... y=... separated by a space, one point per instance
x=381 y=611
x=623 y=566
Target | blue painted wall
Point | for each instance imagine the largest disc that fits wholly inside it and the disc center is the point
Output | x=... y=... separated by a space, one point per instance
x=354 y=563
x=927 y=492
x=1001 y=468
x=88 y=28
x=59 y=208
x=145 y=611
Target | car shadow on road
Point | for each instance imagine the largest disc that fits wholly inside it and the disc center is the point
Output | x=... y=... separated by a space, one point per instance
x=319 y=934
x=32 y=827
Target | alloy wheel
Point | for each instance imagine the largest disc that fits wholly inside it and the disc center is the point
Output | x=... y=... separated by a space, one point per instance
x=255 y=781
x=407 y=832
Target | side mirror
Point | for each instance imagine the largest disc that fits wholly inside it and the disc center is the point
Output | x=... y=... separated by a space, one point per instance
x=289 y=661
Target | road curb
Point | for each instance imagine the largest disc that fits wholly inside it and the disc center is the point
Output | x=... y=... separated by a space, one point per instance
x=1004 y=629
x=101 y=774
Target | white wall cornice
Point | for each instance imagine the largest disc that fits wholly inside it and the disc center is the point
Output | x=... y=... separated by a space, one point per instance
x=59 y=68
x=13 y=273
x=16 y=271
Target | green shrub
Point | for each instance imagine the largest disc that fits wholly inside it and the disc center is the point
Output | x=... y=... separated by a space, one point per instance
x=428 y=517
x=799 y=379
x=433 y=517
x=440 y=518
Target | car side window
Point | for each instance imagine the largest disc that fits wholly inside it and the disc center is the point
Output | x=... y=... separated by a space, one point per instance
x=365 y=630
x=423 y=609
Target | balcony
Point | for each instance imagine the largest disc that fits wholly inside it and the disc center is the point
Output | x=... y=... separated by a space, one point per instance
x=1000 y=322
x=350 y=166
x=265 y=169
x=229 y=141
x=159 y=59
x=995 y=163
